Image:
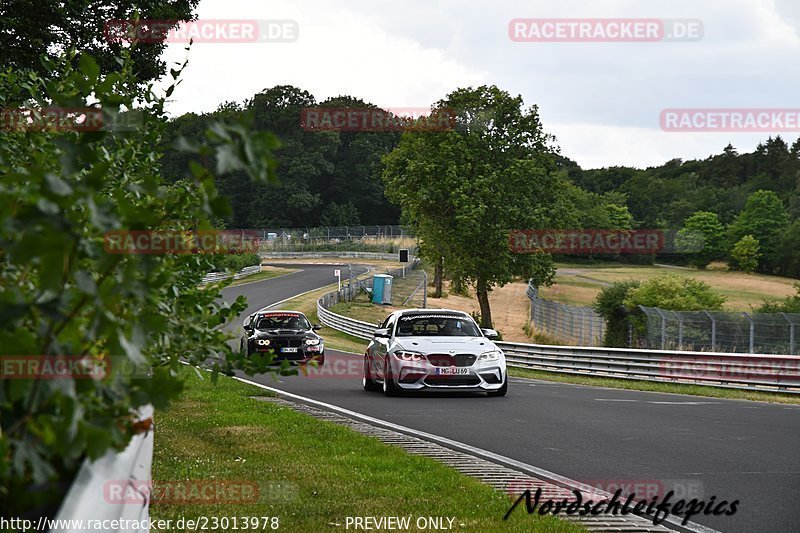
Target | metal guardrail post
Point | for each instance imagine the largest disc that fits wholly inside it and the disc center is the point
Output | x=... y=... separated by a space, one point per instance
x=791 y=333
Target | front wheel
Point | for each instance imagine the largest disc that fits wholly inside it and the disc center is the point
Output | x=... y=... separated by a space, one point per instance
x=367 y=382
x=390 y=388
x=502 y=391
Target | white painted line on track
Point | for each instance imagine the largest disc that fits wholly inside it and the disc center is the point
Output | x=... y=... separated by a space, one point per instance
x=485 y=454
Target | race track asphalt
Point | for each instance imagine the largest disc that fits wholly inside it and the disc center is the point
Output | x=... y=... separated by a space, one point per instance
x=700 y=447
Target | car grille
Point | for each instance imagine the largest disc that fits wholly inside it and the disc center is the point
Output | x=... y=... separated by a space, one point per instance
x=459 y=359
x=452 y=381
x=286 y=343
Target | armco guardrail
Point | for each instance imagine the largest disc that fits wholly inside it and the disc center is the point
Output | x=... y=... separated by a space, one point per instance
x=219 y=276
x=87 y=499
x=769 y=373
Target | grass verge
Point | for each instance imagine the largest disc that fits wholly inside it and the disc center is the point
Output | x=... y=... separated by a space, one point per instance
x=656 y=386
x=311 y=474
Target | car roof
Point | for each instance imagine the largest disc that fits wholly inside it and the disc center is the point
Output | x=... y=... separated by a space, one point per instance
x=264 y=310
x=407 y=312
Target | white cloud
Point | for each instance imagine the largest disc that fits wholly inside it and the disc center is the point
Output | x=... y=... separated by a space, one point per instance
x=601 y=99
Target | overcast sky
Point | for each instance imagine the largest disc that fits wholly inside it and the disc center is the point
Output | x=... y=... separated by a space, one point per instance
x=601 y=100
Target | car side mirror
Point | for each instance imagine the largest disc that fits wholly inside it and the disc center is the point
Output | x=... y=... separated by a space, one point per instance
x=490 y=333
x=316 y=327
x=381 y=333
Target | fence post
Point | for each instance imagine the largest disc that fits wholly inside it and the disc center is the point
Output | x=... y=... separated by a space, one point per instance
x=713 y=330
x=680 y=331
x=752 y=332
x=583 y=327
x=663 y=327
x=424 y=289
x=791 y=333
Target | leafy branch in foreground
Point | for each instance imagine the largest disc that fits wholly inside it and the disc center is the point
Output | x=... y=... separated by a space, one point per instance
x=62 y=294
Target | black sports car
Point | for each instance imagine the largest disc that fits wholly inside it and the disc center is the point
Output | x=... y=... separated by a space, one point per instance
x=288 y=333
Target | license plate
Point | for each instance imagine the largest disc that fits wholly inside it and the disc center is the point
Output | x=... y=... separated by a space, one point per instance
x=452 y=371
x=288 y=350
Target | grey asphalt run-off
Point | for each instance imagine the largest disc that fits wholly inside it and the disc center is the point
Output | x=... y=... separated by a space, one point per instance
x=730 y=449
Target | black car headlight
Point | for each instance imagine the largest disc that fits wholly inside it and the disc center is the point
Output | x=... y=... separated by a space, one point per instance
x=263 y=342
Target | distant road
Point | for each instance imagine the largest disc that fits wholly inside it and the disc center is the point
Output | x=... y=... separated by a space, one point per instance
x=263 y=293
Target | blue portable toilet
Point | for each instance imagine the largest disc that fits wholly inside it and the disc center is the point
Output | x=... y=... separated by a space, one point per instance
x=381 y=289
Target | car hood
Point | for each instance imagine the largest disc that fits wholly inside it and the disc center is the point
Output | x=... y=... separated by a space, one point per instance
x=281 y=333
x=476 y=345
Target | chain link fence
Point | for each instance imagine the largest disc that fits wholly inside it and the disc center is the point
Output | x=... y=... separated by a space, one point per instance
x=579 y=326
x=660 y=329
x=380 y=239
x=769 y=333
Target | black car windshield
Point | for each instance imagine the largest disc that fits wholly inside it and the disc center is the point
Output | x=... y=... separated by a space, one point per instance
x=436 y=326
x=283 y=321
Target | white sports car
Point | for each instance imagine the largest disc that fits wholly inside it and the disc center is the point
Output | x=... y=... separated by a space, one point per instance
x=417 y=349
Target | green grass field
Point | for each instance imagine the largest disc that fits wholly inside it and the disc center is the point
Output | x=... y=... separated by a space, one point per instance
x=579 y=284
x=310 y=474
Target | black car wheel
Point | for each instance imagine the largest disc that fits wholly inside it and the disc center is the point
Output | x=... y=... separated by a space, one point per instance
x=367 y=382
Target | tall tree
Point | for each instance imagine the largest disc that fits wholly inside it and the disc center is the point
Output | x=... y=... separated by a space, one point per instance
x=467 y=188
x=702 y=238
x=765 y=218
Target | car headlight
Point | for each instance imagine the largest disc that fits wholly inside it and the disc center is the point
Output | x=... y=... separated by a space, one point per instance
x=263 y=342
x=494 y=355
x=409 y=356
x=312 y=342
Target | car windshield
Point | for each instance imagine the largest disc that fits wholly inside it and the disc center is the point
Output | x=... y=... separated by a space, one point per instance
x=436 y=326
x=283 y=321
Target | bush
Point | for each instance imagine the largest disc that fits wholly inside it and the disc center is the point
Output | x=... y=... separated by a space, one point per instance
x=671 y=292
x=745 y=254
x=674 y=293
x=610 y=305
x=235 y=262
x=790 y=304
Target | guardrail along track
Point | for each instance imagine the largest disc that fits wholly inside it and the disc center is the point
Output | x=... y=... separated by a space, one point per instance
x=767 y=373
